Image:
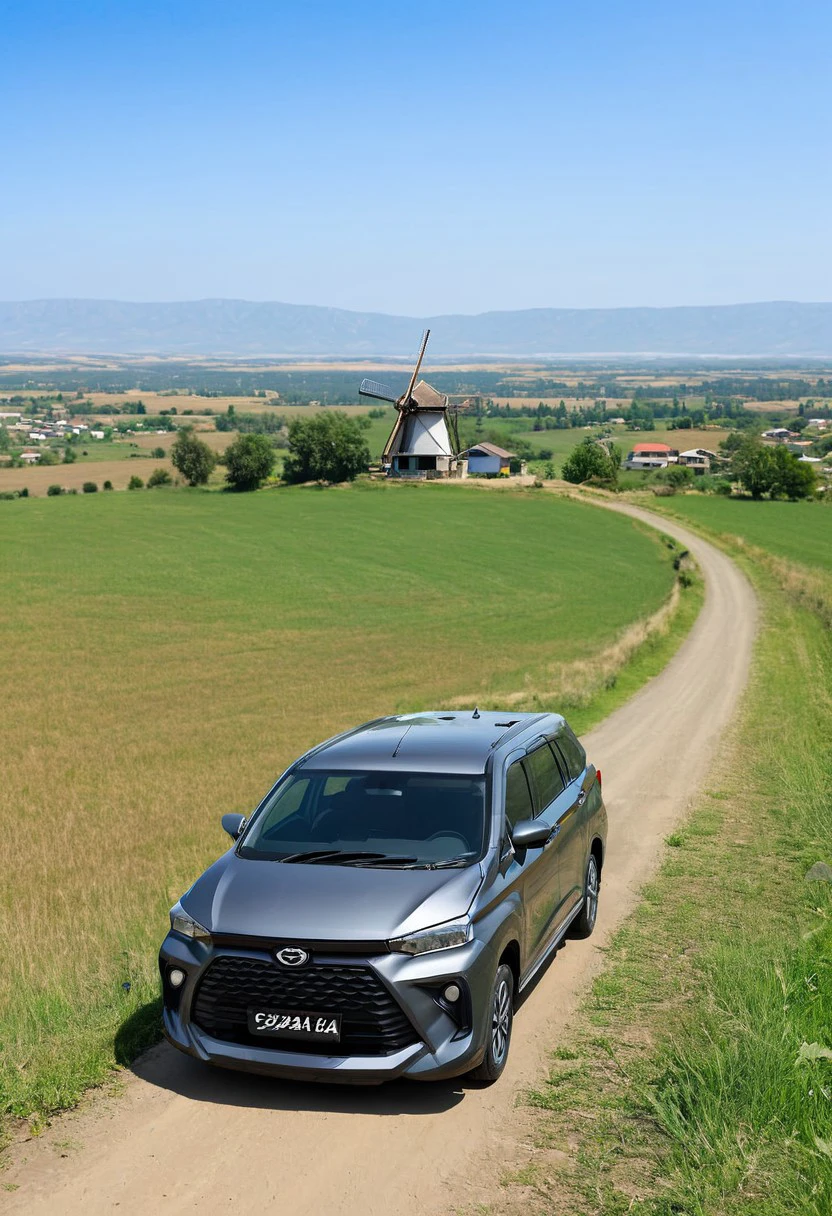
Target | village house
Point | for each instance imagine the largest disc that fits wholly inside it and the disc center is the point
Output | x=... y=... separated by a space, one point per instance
x=651 y=456
x=779 y=434
x=489 y=460
x=698 y=459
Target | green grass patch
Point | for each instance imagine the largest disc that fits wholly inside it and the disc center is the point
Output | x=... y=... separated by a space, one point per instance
x=799 y=531
x=704 y=1080
x=167 y=654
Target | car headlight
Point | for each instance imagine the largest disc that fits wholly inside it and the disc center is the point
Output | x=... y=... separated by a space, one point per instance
x=438 y=937
x=180 y=922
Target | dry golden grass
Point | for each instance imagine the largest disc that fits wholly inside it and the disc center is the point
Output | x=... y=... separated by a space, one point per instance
x=73 y=476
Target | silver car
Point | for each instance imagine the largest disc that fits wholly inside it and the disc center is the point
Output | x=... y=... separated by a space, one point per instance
x=388 y=901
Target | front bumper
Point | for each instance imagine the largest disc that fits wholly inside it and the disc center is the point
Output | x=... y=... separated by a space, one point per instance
x=443 y=1045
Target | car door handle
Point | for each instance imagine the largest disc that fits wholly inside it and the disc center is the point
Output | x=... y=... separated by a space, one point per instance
x=581 y=799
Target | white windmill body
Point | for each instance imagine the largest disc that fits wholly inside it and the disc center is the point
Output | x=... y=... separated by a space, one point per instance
x=420 y=444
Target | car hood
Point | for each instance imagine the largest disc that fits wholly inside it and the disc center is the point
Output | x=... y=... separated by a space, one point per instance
x=238 y=896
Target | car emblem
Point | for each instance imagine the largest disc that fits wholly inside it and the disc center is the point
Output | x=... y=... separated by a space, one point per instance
x=292 y=956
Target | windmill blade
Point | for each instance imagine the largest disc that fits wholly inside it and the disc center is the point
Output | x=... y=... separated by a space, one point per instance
x=382 y=392
x=408 y=394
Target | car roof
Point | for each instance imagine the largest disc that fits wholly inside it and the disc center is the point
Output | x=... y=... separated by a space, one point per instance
x=444 y=741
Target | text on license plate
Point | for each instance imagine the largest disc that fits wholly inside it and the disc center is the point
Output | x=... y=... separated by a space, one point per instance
x=292 y=1024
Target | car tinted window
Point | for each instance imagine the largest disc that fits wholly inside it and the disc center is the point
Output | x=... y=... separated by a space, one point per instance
x=518 y=796
x=573 y=755
x=546 y=777
x=429 y=817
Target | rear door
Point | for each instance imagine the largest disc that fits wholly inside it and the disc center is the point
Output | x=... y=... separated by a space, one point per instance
x=573 y=833
x=544 y=883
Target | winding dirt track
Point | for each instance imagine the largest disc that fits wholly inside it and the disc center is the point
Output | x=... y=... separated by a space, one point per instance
x=184 y=1137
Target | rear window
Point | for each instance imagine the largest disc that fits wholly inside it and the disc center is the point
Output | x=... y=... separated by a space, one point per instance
x=573 y=754
x=546 y=777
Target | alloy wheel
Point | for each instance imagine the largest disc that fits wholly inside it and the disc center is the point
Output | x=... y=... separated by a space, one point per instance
x=591 y=896
x=500 y=1022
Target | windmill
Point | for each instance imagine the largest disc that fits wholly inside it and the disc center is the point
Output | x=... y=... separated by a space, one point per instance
x=420 y=443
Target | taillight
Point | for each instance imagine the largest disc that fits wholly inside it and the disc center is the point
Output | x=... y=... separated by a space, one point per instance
x=598 y=775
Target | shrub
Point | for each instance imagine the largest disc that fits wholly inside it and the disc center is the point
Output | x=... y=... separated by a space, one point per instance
x=69 y=455
x=249 y=460
x=47 y=456
x=53 y=491
x=328 y=447
x=24 y=493
x=192 y=458
x=108 y=485
x=135 y=483
x=159 y=477
x=158 y=453
x=90 y=487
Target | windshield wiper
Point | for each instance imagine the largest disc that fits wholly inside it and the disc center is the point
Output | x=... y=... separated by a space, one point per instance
x=465 y=859
x=336 y=855
x=379 y=859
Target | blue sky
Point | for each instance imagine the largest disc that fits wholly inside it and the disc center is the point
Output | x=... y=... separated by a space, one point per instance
x=417 y=158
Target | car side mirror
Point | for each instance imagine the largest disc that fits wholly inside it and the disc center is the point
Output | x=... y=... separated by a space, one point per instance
x=233 y=824
x=530 y=834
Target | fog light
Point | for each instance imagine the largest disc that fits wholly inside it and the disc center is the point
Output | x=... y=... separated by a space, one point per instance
x=176 y=978
x=452 y=993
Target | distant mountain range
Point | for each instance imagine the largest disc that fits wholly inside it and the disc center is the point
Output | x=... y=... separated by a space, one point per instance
x=241 y=328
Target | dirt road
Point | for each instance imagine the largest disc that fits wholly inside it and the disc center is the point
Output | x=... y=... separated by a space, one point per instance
x=184 y=1137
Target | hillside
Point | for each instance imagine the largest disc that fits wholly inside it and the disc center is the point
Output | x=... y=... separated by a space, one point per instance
x=239 y=327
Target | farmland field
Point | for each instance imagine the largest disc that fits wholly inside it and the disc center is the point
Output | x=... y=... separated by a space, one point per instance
x=166 y=653
x=801 y=531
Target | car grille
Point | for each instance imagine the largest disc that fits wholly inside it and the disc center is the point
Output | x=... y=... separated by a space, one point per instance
x=372 y=1023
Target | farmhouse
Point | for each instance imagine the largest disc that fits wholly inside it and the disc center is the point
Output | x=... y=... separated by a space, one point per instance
x=30 y=457
x=698 y=459
x=486 y=459
x=651 y=456
x=779 y=434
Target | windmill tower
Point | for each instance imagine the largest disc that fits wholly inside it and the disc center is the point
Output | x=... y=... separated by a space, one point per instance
x=420 y=443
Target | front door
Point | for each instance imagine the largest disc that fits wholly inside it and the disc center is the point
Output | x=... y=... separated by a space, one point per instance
x=544 y=891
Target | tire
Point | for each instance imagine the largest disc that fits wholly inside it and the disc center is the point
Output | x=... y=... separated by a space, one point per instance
x=500 y=1021
x=584 y=922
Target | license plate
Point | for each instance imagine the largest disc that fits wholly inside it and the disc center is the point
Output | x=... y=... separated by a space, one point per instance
x=292 y=1024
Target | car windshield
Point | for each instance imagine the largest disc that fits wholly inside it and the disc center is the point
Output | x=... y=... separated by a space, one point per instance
x=372 y=819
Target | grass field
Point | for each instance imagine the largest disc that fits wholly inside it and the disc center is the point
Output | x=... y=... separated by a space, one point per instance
x=166 y=653
x=800 y=531
x=698 y=1078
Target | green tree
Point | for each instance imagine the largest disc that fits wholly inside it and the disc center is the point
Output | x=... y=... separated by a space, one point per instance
x=789 y=477
x=193 y=458
x=159 y=477
x=248 y=461
x=47 y=456
x=5 y=439
x=69 y=455
x=591 y=459
x=752 y=466
x=327 y=447
x=135 y=483
x=89 y=487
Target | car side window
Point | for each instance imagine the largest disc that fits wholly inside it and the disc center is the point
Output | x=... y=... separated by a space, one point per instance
x=518 y=799
x=546 y=776
x=573 y=754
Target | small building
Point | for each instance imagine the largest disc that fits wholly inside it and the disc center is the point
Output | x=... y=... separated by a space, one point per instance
x=651 y=456
x=96 y=434
x=30 y=457
x=698 y=459
x=779 y=434
x=488 y=460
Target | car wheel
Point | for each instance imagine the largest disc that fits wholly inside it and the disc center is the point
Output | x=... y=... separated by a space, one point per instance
x=584 y=922
x=501 y=1017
